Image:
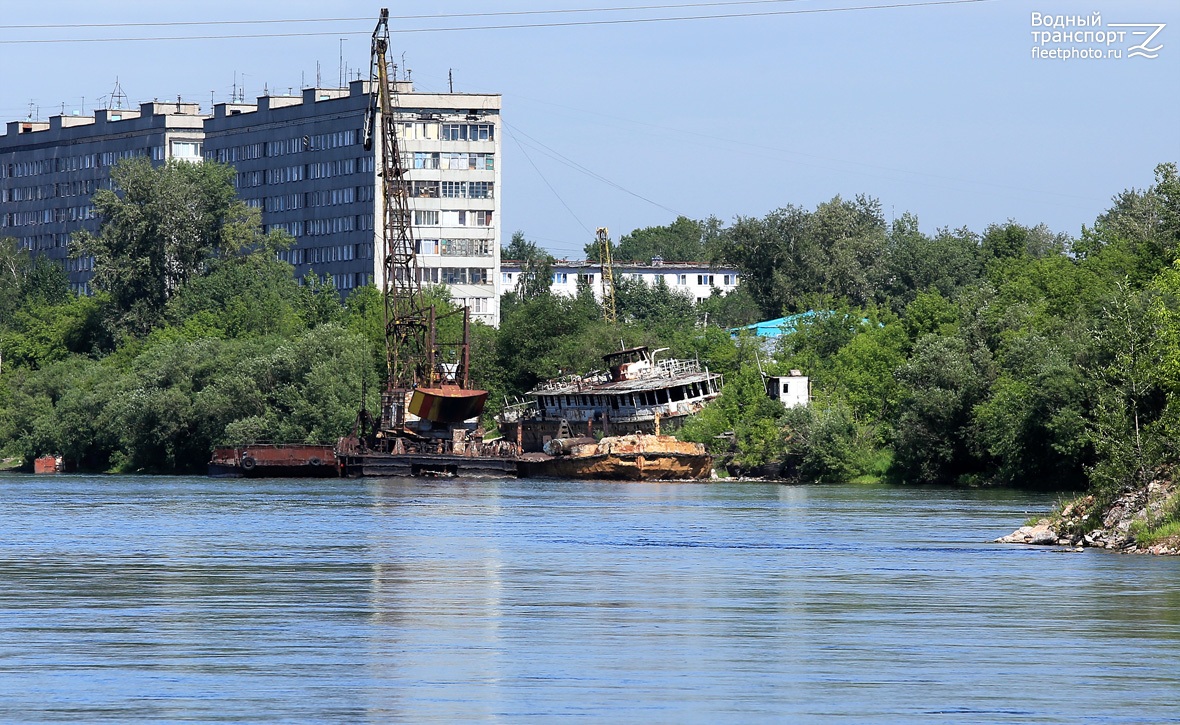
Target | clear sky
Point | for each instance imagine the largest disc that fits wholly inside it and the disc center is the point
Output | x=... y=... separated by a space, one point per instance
x=940 y=110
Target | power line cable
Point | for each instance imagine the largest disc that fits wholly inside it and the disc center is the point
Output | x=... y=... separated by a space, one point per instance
x=751 y=147
x=578 y=167
x=519 y=26
x=551 y=188
x=436 y=16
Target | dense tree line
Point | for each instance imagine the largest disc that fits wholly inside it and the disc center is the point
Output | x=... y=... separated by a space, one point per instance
x=1013 y=356
x=1018 y=356
x=196 y=334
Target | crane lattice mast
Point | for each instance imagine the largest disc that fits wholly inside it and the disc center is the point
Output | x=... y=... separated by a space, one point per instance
x=608 y=276
x=406 y=323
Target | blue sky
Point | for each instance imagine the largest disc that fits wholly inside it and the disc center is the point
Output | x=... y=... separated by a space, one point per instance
x=939 y=110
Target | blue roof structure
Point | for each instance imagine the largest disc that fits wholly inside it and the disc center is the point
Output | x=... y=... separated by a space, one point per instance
x=774 y=328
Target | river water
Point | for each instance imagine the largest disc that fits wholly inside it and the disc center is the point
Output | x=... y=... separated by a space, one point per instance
x=190 y=599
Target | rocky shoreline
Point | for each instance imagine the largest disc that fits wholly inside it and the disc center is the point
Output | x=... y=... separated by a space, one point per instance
x=1117 y=530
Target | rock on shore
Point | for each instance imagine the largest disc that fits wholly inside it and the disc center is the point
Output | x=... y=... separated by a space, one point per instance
x=1115 y=531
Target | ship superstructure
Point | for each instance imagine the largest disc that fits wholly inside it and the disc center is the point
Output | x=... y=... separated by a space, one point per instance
x=638 y=392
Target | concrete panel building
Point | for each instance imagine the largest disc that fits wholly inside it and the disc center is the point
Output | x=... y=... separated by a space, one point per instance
x=697 y=279
x=301 y=159
x=50 y=169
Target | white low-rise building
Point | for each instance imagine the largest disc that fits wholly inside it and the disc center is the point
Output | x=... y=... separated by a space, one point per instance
x=792 y=390
x=698 y=279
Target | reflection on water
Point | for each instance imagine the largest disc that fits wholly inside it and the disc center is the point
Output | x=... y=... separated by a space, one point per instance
x=125 y=598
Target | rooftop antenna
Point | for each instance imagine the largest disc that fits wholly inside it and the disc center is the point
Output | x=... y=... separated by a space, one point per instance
x=451 y=79
x=342 y=62
x=118 y=97
x=212 y=100
x=404 y=77
x=317 y=74
x=32 y=105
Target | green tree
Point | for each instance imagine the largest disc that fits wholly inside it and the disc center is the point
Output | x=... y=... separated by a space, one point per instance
x=791 y=257
x=684 y=240
x=159 y=227
x=536 y=267
x=913 y=262
x=932 y=437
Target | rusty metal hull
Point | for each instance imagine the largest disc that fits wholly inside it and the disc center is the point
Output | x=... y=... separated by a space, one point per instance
x=447 y=404
x=264 y=460
x=623 y=458
x=535 y=433
x=412 y=465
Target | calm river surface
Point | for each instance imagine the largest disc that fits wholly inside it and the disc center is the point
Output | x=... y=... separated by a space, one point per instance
x=190 y=599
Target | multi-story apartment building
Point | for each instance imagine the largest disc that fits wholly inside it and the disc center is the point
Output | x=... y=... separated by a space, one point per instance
x=50 y=169
x=697 y=279
x=302 y=160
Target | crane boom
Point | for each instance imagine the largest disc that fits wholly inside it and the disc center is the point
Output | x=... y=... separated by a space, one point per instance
x=406 y=323
x=608 y=276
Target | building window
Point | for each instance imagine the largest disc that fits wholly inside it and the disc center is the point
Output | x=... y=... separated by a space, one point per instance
x=186 y=150
x=468 y=132
x=704 y=280
x=560 y=278
x=466 y=248
x=425 y=218
x=423 y=160
x=682 y=279
x=475 y=218
x=427 y=246
x=729 y=280
x=424 y=189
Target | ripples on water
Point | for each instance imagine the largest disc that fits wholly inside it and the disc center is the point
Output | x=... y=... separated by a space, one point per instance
x=190 y=599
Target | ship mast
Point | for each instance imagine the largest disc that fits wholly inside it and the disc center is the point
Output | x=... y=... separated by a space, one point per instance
x=406 y=322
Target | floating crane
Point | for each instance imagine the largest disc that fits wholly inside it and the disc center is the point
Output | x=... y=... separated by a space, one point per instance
x=426 y=389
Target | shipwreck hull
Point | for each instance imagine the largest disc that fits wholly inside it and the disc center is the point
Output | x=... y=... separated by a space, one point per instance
x=619 y=467
x=534 y=433
x=622 y=458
